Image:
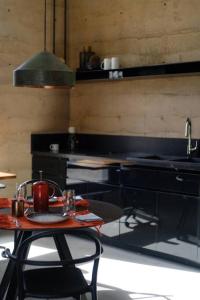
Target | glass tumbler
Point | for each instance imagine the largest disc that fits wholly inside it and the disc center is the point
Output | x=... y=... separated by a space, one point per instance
x=69 y=202
x=18 y=203
x=17 y=208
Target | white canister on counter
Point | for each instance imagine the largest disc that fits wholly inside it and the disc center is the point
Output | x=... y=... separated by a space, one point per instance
x=71 y=129
x=71 y=139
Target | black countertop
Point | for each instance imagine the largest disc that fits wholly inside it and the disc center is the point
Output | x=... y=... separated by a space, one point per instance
x=132 y=159
x=132 y=151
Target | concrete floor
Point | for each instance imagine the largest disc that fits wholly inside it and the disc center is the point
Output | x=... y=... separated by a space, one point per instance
x=125 y=275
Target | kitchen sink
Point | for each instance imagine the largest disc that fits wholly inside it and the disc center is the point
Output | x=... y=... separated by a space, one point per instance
x=154 y=157
x=151 y=157
x=187 y=159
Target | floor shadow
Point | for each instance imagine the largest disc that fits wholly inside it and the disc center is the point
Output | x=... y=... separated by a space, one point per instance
x=131 y=255
x=112 y=293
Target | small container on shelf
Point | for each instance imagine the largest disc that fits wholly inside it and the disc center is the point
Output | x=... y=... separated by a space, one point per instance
x=88 y=60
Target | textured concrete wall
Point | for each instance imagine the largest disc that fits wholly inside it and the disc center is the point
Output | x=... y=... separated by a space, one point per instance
x=140 y=32
x=25 y=110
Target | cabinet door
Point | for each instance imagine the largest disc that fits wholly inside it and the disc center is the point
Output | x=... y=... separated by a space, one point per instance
x=198 y=230
x=92 y=182
x=178 y=225
x=111 y=194
x=138 y=226
x=161 y=180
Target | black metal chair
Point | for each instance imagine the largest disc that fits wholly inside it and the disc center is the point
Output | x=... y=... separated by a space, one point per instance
x=58 y=278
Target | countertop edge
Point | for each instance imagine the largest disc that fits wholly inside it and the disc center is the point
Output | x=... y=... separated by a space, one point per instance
x=164 y=164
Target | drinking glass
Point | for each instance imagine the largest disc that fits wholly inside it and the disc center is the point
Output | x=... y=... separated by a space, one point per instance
x=69 y=203
x=18 y=203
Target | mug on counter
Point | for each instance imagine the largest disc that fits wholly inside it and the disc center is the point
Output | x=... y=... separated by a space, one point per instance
x=54 y=148
x=114 y=62
x=106 y=64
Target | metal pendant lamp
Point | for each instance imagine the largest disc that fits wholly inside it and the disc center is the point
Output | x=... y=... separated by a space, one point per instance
x=44 y=69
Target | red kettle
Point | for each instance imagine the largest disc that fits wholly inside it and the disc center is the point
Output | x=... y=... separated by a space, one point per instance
x=40 y=191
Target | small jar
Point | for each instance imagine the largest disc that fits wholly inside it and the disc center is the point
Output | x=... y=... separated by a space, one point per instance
x=17 y=208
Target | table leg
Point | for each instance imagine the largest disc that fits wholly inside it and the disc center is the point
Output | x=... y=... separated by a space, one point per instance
x=62 y=246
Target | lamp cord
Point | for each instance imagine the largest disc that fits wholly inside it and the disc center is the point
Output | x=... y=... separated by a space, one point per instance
x=65 y=31
x=45 y=23
x=54 y=26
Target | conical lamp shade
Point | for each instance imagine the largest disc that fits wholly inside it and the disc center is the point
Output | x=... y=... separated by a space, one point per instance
x=43 y=70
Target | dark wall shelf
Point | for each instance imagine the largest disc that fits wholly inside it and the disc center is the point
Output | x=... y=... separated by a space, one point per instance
x=155 y=70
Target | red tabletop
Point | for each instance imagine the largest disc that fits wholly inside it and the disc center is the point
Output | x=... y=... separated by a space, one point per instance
x=7 y=221
x=6 y=203
x=21 y=223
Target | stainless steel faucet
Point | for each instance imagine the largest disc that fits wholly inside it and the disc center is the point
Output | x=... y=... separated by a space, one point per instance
x=188 y=134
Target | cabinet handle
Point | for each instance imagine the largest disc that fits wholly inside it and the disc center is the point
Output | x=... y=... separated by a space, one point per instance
x=178 y=178
x=124 y=169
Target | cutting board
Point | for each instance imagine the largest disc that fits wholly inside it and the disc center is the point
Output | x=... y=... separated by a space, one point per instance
x=95 y=163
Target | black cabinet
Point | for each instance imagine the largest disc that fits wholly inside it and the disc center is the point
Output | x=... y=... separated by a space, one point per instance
x=98 y=183
x=138 y=226
x=178 y=226
x=161 y=206
x=92 y=181
x=161 y=180
x=161 y=212
x=54 y=168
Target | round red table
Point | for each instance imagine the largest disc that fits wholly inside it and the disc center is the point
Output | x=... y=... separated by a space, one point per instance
x=23 y=228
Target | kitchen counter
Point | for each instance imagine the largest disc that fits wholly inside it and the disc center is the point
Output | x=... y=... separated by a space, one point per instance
x=127 y=159
x=158 y=190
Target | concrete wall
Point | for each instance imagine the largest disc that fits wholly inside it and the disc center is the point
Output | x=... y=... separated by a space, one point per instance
x=140 y=32
x=25 y=110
